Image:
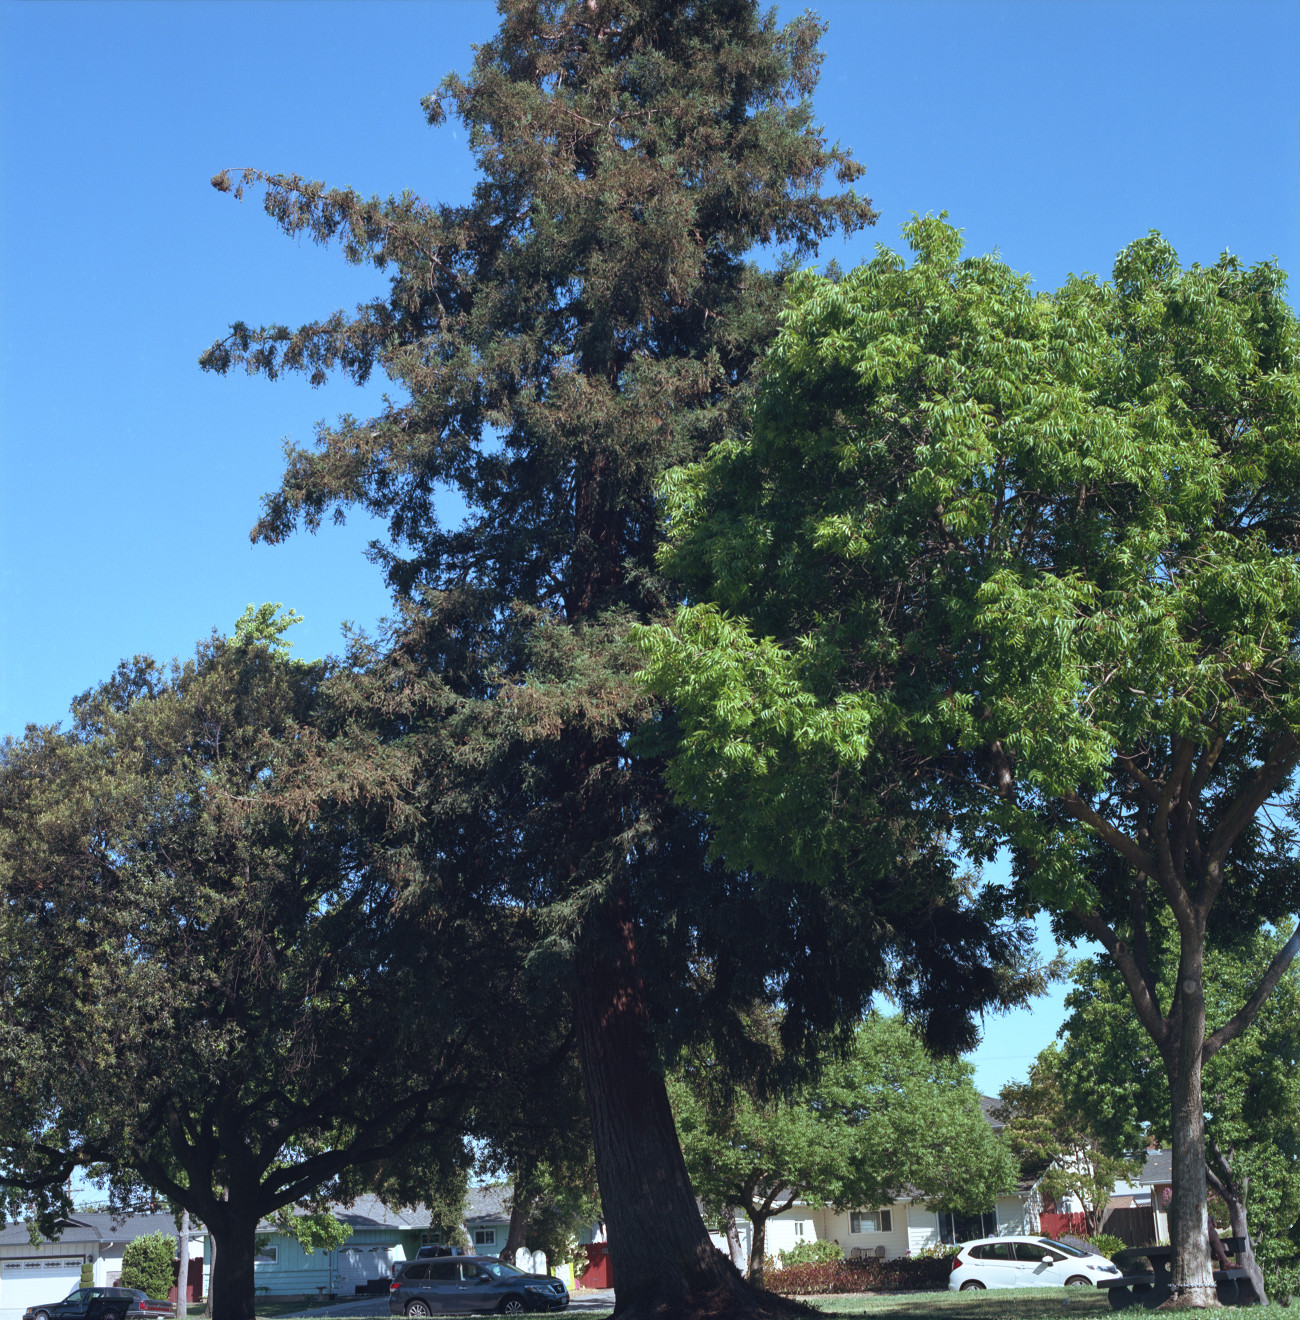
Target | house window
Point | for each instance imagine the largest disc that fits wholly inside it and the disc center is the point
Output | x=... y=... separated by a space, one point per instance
x=266 y=1256
x=871 y=1221
x=798 y=1230
x=954 y=1228
x=485 y=1237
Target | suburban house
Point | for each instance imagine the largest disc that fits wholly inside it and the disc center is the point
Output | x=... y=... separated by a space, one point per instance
x=902 y=1228
x=90 y=1246
x=382 y=1235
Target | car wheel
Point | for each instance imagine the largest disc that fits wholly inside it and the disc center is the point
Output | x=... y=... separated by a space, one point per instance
x=40 y=1315
x=513 y=1306
x=417 y=1307
x=1077 y=1281
x=971 y=1285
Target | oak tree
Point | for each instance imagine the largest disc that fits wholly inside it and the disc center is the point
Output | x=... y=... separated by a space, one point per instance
x=883 y=1119
x=221 y=980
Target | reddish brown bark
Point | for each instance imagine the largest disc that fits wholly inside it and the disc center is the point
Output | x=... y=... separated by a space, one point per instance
x=665 y=1265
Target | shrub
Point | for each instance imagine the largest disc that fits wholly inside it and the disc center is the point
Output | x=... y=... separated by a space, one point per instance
x=150 y=1263
x=855 y=1276
x=816 y=1252
x=1107 y=1244
x=937 y=1251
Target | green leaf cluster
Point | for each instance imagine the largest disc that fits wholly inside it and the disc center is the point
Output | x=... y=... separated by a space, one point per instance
x=149 y=1263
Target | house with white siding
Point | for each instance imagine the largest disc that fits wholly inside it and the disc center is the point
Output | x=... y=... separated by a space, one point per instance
x=903 y=1228
x=86 y=1252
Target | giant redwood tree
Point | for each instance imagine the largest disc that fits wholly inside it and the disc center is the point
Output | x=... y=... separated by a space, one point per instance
x=586 y=321
x=1031 y=563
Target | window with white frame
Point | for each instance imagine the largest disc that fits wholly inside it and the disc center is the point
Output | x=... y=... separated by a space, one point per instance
x=485 y=1237
x=266 y=1256
x=798 y=1229
x=871 y=1221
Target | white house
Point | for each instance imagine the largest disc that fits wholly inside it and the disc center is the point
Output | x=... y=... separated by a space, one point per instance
x=902 y=1228
x=92 y=1241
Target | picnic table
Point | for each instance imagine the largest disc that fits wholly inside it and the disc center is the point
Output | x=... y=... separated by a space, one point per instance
x=1138 y=1286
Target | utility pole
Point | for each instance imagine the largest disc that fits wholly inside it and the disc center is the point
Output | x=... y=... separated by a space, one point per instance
x=183 y=1266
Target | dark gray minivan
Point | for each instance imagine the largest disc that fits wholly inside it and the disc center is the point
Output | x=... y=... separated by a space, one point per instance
x=462 y=1285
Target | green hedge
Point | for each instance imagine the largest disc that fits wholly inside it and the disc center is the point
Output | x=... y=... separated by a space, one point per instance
x=855 y=1276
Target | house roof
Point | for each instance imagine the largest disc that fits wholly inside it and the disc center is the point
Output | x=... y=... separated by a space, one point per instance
x=99 y=1227
x=488 y=1205
x=1157 y=1169
x=988 y=1103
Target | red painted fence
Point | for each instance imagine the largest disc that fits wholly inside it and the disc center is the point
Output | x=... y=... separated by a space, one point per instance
x=1055 y=1226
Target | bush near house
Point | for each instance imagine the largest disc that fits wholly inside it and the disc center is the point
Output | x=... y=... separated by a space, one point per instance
x=815 y=1252
x=149 y=1263
x=856 y=1276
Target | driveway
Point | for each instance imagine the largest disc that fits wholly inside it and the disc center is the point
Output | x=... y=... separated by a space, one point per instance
x=589 y=1299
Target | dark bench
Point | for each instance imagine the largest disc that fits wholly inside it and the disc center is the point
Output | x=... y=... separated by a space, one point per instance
x=1149 y=1288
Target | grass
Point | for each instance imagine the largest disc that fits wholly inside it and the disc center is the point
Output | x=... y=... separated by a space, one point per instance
x=995 y=1304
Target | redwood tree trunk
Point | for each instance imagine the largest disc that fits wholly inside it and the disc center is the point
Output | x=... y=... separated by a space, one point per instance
x=230 y=1289
x=1189 y=1223
x=663 y=1260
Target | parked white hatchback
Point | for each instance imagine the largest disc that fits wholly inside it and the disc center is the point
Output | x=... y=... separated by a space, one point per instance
x=1025 y=1262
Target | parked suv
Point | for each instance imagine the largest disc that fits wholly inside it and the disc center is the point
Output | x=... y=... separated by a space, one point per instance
x=462 y=1284
x=437 y=1249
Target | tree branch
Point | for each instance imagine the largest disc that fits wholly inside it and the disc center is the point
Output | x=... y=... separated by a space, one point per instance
x=1144 y=1001
x=1245 y=1015
x=1127 y=848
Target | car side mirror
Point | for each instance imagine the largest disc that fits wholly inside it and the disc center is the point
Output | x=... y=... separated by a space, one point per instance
x=1047 y=1260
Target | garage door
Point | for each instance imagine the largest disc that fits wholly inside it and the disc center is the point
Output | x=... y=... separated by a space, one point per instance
x=29 y=1281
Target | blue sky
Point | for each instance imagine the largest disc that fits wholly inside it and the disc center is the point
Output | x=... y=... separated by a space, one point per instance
x=1054 y=132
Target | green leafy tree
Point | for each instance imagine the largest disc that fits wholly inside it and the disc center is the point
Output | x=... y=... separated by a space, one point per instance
x=584 y=322
x=885 y=1117
x=1056 y=1145
x=1251 y=1089
x=149 y=1263
x=1022 y=570
x=215 y=905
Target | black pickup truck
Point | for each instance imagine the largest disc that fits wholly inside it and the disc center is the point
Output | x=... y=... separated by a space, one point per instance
x=103 y=1304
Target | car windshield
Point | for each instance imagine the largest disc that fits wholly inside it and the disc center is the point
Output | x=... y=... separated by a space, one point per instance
x=1065 y=1247
x=499 y=1269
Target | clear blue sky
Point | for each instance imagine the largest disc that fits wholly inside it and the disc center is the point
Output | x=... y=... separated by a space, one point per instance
x=1053 y=131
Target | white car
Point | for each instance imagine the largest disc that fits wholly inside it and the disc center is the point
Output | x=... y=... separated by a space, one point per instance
x=1025 y=1262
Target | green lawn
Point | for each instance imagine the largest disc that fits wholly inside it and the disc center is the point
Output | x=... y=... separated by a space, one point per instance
x=996 y=1304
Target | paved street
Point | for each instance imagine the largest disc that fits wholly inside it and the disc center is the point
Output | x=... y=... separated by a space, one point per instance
x=595 y=1299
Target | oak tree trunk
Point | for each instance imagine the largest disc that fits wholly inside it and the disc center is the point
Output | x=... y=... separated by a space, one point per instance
x=1189 y=1223
x=664 y=1264
x=518 y=1230
x=230 y=1289
x=757 y=1248
x=733 y=1237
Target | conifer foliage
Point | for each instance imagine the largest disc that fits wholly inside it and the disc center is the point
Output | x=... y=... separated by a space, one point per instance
x=586 y=321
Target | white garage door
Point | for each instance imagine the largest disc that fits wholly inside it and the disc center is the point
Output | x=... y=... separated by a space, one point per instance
x=31 y=1280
